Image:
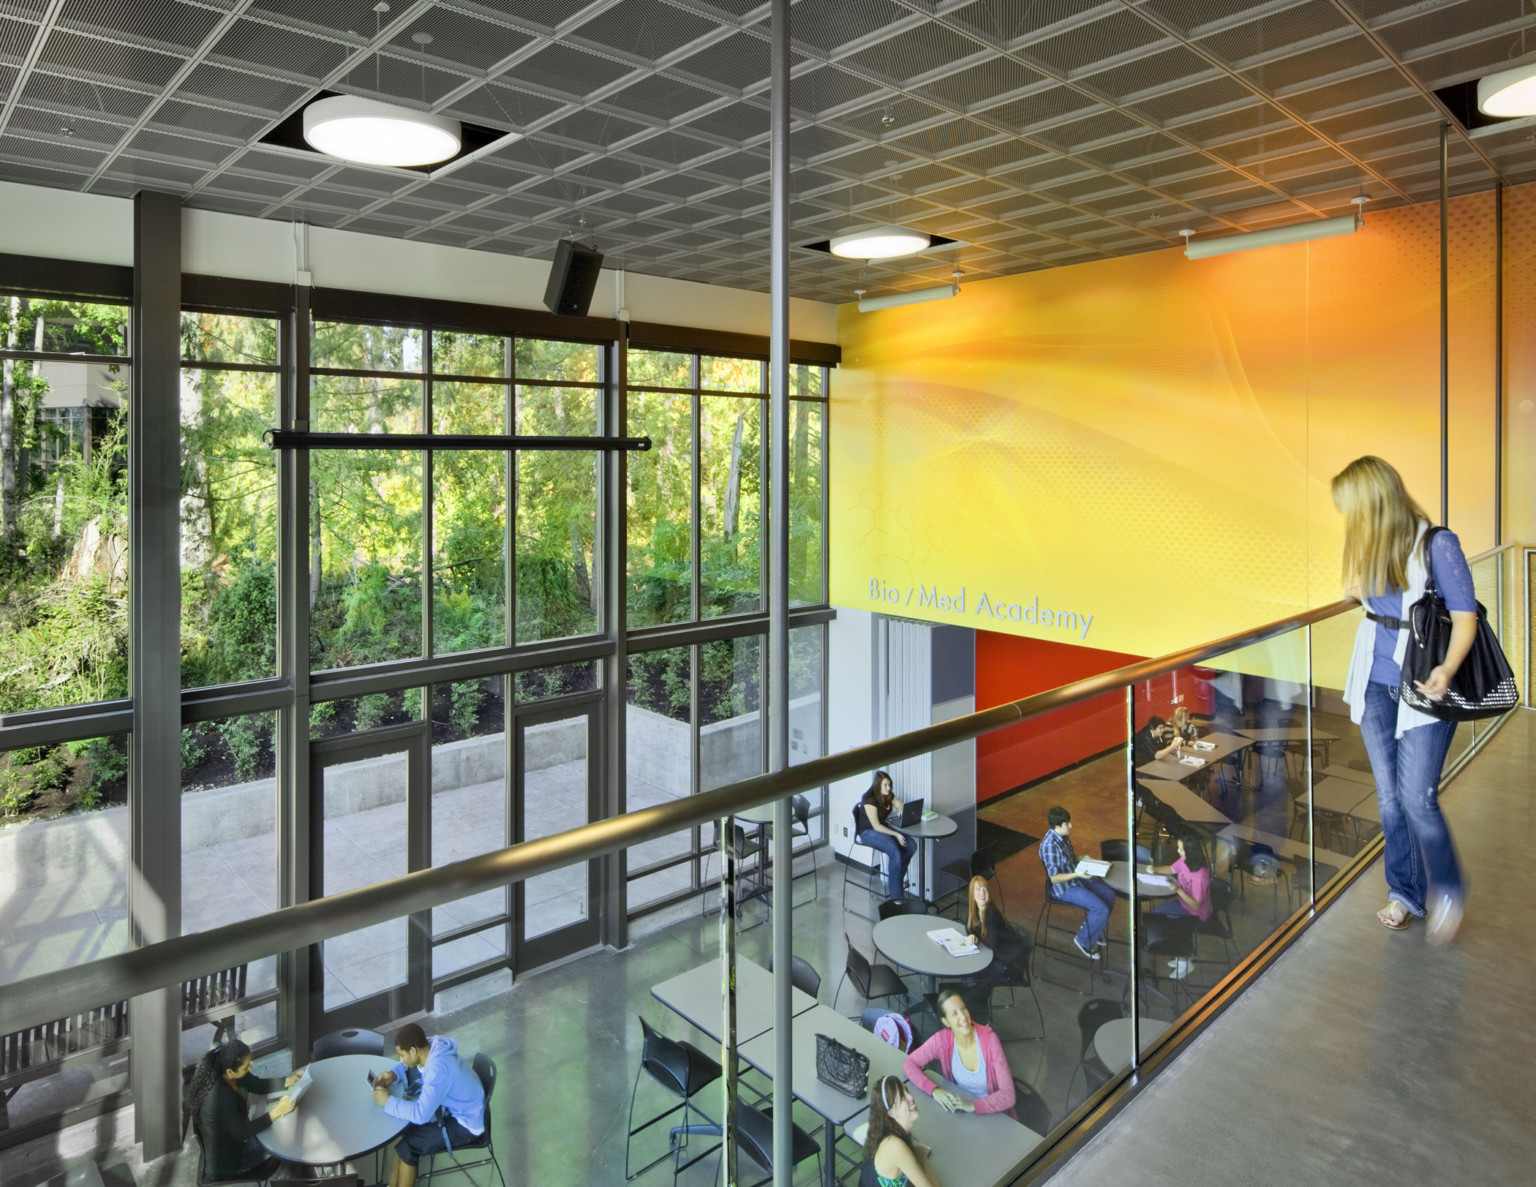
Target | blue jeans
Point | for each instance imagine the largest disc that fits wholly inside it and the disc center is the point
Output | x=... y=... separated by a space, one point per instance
x=897 y=858
x=1096 y=898
x=1419 y=851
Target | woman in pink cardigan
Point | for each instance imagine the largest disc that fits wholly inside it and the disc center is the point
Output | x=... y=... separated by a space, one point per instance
x=970 y=1057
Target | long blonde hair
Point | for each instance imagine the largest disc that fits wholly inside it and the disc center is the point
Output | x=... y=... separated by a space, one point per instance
x=1381 y=522
x=976 y=920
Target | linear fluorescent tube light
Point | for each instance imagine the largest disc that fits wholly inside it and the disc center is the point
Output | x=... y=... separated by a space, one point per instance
x=880 y=243
x=1508 y=93
x=1327 y=228
x=374 y=133
x=940 y=292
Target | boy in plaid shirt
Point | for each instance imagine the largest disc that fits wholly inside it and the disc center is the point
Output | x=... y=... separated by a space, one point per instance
x=1064 y=884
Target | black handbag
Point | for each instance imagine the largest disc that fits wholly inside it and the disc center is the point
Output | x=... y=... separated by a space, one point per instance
x=842 y=1067
x=1484 y=685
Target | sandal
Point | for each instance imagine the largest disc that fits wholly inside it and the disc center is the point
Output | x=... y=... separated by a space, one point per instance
x=1394 y=915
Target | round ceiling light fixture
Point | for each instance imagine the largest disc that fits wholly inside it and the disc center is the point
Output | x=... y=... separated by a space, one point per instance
x=373 y=133
x=880 y=243
x=1508 y=93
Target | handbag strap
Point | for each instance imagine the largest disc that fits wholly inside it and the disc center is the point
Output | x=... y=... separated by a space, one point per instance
x=1429 y=567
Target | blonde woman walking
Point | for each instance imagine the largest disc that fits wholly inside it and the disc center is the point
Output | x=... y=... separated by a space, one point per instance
x=1385 y=567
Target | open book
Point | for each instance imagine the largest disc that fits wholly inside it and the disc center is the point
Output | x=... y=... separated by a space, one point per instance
x=954 y=942
x=1092 y=866
x=296 y=1093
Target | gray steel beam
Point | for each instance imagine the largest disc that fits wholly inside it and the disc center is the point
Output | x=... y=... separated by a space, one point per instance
x=613 y=873
x=154 y=658
x=1445 y=325
x=778 y=598
x=1498 y=370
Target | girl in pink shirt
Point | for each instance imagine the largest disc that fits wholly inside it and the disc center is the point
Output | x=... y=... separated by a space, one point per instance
x=970 y=1056
x=1191 y=899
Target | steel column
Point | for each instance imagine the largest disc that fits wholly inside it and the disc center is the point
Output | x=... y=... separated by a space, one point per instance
x=154 y=658
x=1445 y=326
x=293 y=556
x=613 y=532
x=1498 y=369
x=778 y=594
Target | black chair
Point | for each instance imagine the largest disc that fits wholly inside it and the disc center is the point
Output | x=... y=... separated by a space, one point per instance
x=683 y=1070
x=1096 y=1073
x=1115 y=849
x=485 y=1069
x=1023 y=978
x=978 y=865
x=1030 y=1107
x=203 y=1178
x=745 y=847
x=873 y=870
x=1220 y=922
x=754 y=1135
x=1165 y=936
x=801 y=975
x=905 y=905
x=348 y=1042
x=1043 y=930
x=977 y=996
x=871 y=981
x=800 y=826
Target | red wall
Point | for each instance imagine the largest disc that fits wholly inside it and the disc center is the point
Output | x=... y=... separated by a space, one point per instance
x=1009 y=667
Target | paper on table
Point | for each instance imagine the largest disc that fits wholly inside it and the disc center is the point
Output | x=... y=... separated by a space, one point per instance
x=953 y=942
x=1189 y=760
x=1153 y=879
x=296 y=1093
x=1203 y=745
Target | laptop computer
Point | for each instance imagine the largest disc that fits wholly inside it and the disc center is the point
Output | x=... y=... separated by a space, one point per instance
x=911 y=814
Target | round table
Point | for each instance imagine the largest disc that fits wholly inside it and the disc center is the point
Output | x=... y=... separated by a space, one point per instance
x=1112 y=1041
x=903 y=940
x=934 y=828
x=337 y=1120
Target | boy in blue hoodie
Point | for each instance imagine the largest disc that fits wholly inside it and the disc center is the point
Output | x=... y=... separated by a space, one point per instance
x=449 y=1110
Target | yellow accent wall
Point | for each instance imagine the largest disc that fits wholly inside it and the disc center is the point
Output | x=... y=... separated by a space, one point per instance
x=1134 y=454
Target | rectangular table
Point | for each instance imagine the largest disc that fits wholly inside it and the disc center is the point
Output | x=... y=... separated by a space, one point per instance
x=1186 y=803
x=967 y=1149
x=1225 y=746
x=695 y=995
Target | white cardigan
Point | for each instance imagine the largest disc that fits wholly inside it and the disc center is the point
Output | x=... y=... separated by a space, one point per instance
x=1365 y=647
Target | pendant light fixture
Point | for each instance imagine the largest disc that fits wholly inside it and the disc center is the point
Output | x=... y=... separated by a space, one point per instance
x=880 y=243
x=1508 y=93
x=374 y=133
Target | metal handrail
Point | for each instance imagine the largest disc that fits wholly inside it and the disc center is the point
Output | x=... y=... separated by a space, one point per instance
x=36 y=1000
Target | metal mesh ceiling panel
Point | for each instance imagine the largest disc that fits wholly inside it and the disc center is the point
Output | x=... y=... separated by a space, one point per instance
x=1036 y=132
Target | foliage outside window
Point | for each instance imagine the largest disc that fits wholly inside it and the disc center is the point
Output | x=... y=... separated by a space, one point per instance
x=63 y=503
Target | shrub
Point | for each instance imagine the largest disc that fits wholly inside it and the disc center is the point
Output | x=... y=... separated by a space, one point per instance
x=192 y=749
x=245 y=740
x=372 y=709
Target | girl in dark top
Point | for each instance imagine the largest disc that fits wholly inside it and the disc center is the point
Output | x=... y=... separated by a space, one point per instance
x=986 y=925
x=897 y=1160
x=1386 y=563
x=878 y=803
x=217 y=1101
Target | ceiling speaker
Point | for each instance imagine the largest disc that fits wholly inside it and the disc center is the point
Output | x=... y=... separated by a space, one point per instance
x=572 y=277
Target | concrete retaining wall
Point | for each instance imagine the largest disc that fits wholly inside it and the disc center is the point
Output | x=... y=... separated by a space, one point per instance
x=656 y=751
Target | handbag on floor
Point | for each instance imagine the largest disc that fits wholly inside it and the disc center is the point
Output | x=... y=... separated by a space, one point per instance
x=1484 y=685
x=841 y=1066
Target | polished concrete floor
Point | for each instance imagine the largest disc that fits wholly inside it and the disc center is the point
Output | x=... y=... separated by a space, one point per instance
x=1366 y=1056
x=1363 y=1057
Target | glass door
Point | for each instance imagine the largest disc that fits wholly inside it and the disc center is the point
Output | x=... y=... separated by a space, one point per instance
x=368 y=824
x=555 y=789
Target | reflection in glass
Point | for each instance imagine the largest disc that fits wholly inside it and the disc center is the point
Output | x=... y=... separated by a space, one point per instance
x=228 y=525
x=365 y=557
x=732 y=375
x=554 y=798
x=469 y=811
x=661 y=510
x=228 y=338
x=469 y=525
x=806 y=586
x=365 y=404
x=660 y=368
x=557 y=589
x=355 y=347
x=455 y=353
x=572 y=362
x=658 y=757
x=730 y=711
x=63 y=505
x=730 y=507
